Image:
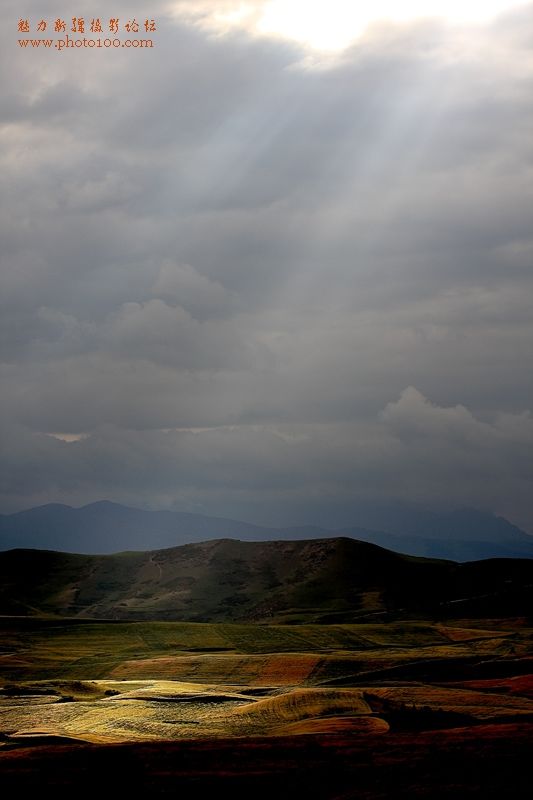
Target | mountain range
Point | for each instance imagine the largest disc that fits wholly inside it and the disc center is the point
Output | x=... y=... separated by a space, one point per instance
x=321 y=580
x=106 y=527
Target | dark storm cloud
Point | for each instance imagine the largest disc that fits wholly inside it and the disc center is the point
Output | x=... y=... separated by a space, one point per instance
x=223 y=235
x=412 y=449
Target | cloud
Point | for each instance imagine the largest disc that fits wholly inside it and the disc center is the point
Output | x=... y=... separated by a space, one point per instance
x=185 y=286
x=228 y=235
x=414 y=451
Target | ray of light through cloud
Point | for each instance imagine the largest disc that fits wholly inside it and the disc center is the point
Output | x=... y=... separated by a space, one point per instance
x=334 y=24
x=284 y=257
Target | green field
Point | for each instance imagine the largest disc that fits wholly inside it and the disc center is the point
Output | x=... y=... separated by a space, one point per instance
x=33 y=649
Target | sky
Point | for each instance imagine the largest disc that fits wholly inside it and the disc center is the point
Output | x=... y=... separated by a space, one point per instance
x=276 y=267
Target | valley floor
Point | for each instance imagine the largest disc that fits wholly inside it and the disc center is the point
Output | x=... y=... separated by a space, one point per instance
x=407 y=708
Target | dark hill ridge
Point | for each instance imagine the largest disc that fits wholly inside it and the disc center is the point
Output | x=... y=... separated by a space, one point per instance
x=327 y=580
x=106 y=527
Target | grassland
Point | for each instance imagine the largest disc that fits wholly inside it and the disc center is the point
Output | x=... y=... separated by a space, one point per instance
x=324 y=669
x=104 y=682
x=330 y=711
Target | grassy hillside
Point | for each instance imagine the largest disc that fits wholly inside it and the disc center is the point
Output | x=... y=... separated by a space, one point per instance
x=328 y=580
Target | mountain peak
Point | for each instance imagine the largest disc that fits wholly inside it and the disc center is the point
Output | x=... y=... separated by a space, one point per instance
x=105 y=505
x=108 y=527
x=47 y=508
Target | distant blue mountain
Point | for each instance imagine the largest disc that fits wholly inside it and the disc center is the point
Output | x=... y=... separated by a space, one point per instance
x=105 y=527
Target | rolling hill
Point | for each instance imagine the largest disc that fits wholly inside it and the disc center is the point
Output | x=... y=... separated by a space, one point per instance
x=321 y=580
